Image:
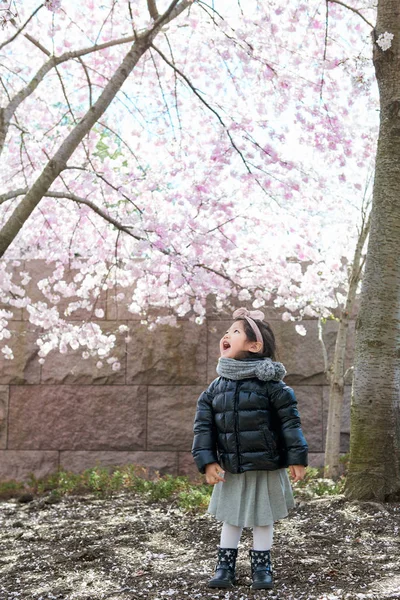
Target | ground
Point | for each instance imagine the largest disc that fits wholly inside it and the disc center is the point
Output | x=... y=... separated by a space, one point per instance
x=88 y=548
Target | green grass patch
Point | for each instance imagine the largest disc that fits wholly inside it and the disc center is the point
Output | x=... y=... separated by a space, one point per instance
x=153 y=487
x=315 y=484
x=105 y=481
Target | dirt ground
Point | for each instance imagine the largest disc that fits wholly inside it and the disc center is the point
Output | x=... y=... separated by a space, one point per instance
x=122 y=548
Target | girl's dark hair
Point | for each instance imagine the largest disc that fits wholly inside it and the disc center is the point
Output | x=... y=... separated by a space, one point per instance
x=269 y=350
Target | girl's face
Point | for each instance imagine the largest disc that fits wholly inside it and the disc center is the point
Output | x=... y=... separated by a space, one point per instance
x=234 y=343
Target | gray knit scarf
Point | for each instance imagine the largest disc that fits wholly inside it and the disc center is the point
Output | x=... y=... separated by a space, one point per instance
x=264 y=369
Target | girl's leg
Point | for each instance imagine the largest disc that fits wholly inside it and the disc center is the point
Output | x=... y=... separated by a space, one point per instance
x=262 y=537
x=230 y=536
x=224 y=576
x=261 y=568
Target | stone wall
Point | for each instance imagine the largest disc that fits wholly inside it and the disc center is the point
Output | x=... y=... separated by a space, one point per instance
x=69 y=414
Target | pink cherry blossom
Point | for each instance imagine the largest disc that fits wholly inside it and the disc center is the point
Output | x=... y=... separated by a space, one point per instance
x=232 y=162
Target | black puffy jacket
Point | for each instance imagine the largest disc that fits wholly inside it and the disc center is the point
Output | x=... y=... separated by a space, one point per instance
x=248 y=425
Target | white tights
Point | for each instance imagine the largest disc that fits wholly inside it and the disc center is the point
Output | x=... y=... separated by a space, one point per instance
x=262 y=536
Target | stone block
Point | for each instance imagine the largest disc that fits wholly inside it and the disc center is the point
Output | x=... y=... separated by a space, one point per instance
x=187 y=467
x=345 y=422
x=20 y=464
x=3 y=415
x=69 y=417
x=316 y=459
x=118 y=300
x=79 y=460
x=301 y=355
x=16 y=312
x=167 y=355
x=24 y=368
x=38 y=270
x=171 y=412
x=309 y=398
x=344 y=442
x=72 y=368
x=215 y=330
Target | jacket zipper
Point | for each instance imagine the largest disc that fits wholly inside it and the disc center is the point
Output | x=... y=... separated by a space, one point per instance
x=236 y=411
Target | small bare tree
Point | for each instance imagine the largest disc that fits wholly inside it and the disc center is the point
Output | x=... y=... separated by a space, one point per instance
x=335 y=371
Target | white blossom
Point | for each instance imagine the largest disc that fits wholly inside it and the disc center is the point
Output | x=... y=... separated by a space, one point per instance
x=8 y=353
x=301 y=330
x=384 y=41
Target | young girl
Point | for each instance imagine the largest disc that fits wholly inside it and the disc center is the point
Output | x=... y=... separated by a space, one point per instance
x=246 y=433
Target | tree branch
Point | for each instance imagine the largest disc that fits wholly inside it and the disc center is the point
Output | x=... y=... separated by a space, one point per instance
x=54 y=61
x=64 y=91
x=357 y=12
x=97 y=210
x=195 y=91
x=324 y=351
x=13 y=194
x=162 y=93
x=125 y=144
x=37 y=44
x=59 y=160
x=16 y=34
x=325 y=48
x=117 y=189
x=175 y=84
x=151 y=5
x=206 y=268
x=88 y=80
x=349 y=370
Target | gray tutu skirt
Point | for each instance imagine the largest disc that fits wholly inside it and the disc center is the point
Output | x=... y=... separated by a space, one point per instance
x=253 y=498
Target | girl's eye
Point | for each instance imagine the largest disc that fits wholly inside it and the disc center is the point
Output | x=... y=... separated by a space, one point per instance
x=236 y=331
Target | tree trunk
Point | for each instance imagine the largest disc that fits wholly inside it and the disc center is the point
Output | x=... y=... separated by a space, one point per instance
x=336 y=392
x=374 y=471
x=336 y=373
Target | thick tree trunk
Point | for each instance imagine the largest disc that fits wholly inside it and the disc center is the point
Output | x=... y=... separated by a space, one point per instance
x=374 y=471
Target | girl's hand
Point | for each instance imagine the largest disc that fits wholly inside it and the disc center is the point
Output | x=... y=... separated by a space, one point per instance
x=297 y=472
x=214 y=473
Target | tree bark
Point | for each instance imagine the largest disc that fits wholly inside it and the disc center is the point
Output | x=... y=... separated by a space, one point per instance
x=374 y=470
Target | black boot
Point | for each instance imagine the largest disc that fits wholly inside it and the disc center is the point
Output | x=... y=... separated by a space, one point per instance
x=224 y=576
x=261 y=570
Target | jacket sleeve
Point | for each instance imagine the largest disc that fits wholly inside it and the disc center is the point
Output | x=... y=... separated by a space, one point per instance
x=285 y=404
x=204 y=449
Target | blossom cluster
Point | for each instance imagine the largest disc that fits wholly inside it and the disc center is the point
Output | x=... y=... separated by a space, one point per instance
x=233 y=164
x=384 y=40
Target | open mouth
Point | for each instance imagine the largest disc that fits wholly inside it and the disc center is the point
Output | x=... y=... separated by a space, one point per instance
x=226 y=345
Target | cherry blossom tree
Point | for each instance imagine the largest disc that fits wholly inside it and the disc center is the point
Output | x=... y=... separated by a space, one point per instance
x=181 y=148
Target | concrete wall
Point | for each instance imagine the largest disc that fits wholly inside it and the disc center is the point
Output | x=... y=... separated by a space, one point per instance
x=69 y=414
